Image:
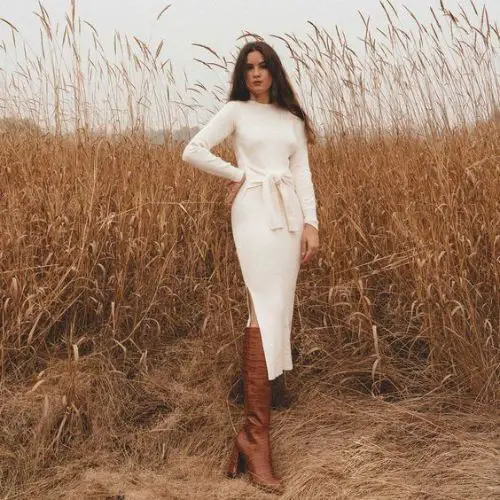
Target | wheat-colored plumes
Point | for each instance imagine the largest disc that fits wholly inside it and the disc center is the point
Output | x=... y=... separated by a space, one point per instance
x=122 y=304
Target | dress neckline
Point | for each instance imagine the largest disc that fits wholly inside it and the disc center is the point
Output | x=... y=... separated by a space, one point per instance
x=261 y=103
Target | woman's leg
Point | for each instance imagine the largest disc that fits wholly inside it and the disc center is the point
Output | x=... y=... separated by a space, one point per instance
x=279 y=395
x=252 y=448
x=253 y=317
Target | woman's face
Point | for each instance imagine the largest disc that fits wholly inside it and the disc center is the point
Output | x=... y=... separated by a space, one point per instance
x=258 y=78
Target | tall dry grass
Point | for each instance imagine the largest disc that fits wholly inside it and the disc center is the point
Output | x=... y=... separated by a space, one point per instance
x=123 y=305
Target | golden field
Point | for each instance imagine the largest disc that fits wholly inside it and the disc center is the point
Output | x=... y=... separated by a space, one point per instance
x=123 y=305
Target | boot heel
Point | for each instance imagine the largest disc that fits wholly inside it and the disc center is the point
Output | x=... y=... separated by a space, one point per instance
x=236 y=463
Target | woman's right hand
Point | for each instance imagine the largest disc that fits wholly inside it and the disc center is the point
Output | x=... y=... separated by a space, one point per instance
x=233 y=188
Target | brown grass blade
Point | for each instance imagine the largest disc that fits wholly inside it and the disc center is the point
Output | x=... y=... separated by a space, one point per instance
x=163 y=11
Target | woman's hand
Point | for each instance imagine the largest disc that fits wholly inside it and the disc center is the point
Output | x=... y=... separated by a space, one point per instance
x=310 y=243
x=233 y=188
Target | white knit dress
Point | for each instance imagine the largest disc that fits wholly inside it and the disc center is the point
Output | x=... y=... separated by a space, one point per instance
x=269 y=212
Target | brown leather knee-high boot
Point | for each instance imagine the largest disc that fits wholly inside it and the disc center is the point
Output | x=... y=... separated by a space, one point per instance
x=280 y=396
x=251 y=445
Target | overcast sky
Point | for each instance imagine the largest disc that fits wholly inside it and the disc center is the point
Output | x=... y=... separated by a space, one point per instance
x=216 y=23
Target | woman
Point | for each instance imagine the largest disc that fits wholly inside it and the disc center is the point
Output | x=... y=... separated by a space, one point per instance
x=274 y=226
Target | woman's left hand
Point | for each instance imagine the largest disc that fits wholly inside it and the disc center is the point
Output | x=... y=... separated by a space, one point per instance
x=310 y=243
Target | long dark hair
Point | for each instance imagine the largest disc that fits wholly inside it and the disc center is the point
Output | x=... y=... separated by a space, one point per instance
x=280 y=93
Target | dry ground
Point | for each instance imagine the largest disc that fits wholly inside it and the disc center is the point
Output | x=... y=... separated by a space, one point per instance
x=347 y=448
x=163 y=436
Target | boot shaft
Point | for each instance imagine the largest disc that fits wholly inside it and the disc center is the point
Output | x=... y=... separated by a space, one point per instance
x=256 y=385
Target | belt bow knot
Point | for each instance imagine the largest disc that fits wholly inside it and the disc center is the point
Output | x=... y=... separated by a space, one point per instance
x=276 y=185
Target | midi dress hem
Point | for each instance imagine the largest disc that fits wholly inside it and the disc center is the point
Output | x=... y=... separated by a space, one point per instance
x=286 y=364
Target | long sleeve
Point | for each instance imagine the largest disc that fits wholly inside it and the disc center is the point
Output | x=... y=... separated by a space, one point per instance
x=197 y=151
x=299 y=166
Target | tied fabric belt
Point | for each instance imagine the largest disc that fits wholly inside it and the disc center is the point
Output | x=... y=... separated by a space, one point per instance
x=276 y=185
